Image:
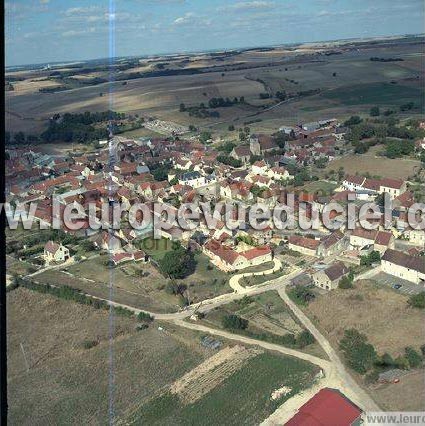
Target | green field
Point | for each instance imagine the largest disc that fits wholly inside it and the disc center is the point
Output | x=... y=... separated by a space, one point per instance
x=376 y=93
x=244 y=398
x=156 y=248
x=320 y=187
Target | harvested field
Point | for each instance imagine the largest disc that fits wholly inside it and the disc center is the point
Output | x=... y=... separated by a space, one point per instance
x=412 y=389
x=245 y=74
x=211 y=373
x=58 y=361
x=400 y=168
x=380 y=313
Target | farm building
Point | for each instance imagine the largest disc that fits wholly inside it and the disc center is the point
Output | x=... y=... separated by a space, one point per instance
x=307 y=246
x=404 y=266
x=228 y=259
x=328 y=279
x=328 y=407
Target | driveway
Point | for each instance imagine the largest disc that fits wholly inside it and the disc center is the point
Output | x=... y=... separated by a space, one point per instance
x=407 y=287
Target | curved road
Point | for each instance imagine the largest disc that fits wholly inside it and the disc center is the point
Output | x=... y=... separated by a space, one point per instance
x=234 y=280
x=336 y=375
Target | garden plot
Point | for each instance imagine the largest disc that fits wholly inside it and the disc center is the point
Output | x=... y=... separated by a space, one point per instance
x=211 y=373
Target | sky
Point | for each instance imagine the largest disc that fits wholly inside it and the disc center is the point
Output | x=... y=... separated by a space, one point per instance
x=40 y=31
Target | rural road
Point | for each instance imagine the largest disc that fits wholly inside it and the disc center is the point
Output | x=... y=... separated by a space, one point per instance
x=338 y=372
x=336 y=376
x=209 y=304
x=322 y=363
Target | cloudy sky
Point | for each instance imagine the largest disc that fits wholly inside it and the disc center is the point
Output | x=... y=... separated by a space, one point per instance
x=39 y=31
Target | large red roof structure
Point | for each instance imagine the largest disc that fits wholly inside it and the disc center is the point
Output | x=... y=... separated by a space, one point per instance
x=327 y=408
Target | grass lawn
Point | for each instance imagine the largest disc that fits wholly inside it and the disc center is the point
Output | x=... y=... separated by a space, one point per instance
x=207 y=281
x=243 y=398
x=156 y=248
x=259 y=279
x=409 y=396
x=19 y=267
x=94 y=277
x=320 y=187
x=147 y=291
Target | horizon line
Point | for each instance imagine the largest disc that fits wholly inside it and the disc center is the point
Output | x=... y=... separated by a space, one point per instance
x=193 y=52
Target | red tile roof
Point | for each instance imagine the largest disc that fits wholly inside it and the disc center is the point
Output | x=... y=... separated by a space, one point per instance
x=309 y=243
x=383 y=238
x=226 y=254
x=256 y=252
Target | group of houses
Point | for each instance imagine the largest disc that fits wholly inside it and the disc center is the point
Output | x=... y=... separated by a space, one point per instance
x=172 y=172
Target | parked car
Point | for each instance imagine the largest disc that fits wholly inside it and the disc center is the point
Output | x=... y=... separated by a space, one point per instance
x=397 y=286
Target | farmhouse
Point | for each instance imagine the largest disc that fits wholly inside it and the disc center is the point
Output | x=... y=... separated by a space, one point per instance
x=404 y=266
x=279 y=173
x=361 y=185
x=333 y=243
x=228 y=259
x=261 y=144
x=259 y=167
x=54 y=252
x=328 y=278
x=376 y=240
x=118 y=258
x=307 y=246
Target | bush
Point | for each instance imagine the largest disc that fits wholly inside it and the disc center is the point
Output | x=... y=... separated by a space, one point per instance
x=345 y=283
x=88 y=344
x=417 y=300
x=353 y=120
x=386 y=360
x=145 y=317
x=288 y=340
x=413 y=357
x=304 y=338
x=245 y=301
x=360 y=355
x=374 y=111
x=372 y=257
x=119 y=310
x=142 y=326
x=301 y=295
x=234 y=322
x=401 y=362
x=371 y=377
